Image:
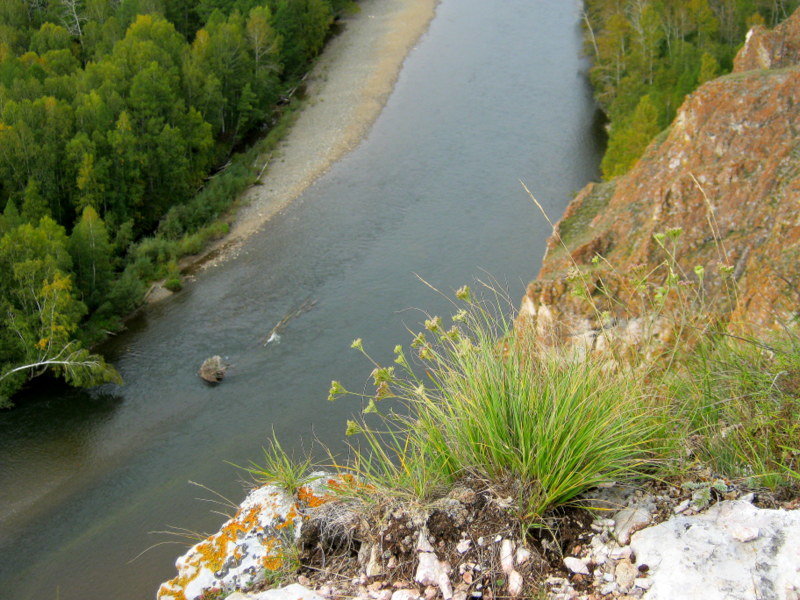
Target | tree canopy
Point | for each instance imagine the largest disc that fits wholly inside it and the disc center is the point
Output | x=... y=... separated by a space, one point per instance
x=113 y=115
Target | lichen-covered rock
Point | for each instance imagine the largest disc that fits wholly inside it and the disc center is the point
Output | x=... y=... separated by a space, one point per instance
x=765 y=49
x=249 y=545
x=726 y=173
x=733 y=551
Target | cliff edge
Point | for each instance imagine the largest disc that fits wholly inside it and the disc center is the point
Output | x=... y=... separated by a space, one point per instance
x=724 y=175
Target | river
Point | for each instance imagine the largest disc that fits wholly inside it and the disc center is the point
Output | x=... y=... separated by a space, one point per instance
x=494 y=93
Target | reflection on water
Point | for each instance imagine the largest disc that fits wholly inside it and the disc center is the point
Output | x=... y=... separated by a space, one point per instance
x=494 y=93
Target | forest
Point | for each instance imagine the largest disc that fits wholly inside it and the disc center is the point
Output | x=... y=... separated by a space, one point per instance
x=118 y=123
x=648 y=55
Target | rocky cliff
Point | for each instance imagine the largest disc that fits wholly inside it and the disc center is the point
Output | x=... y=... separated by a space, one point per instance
x=723 y=177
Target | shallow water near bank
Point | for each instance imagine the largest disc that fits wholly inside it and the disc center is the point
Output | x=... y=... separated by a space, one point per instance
x=493 y=93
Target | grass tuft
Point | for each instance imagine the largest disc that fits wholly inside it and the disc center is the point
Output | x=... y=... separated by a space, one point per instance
x=494 y=405
x=280 y=468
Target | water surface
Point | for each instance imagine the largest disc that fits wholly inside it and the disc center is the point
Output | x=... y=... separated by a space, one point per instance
x=495 y=92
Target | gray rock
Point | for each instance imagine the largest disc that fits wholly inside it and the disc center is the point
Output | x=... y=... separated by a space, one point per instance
x=628 y=521
x=700 y=557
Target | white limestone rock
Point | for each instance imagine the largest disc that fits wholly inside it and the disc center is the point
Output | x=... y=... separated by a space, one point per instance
x=704 y=557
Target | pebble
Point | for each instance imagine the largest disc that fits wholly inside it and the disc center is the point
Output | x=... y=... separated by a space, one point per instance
x=515 y=583
x=463 y=546
x=620 y=553
x=628 y=521
x=681 y=507
x=507 y=556
x=643 y=582
x=405 y=594
x=742 y=533
x=608 y=588
x=625 y=574
x=576 y=565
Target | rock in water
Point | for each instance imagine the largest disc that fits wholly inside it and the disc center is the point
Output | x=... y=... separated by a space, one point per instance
x=212 y=370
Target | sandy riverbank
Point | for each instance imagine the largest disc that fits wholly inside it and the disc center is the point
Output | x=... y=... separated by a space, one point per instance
x=346 y=91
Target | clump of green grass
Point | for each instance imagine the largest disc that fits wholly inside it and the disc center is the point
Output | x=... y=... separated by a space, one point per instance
x=741 y=397
x=281 y=468
x=494 y=405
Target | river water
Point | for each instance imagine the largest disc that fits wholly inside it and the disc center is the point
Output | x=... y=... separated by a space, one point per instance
x=494 y=92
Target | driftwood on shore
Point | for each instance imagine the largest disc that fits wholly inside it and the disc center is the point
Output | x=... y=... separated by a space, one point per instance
x=212 y=370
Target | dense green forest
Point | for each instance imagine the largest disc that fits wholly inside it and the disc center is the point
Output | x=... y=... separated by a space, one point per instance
x=116 y=118
x=649 y=54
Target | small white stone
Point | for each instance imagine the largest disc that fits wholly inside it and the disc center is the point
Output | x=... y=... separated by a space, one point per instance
x=643 y=583
x=405 y=594
x=681 y=507
x=608 y=588
x=523 y=555
x=507 y=556
x=423 y=544
x=576 y=565
x=481 y=542
x=619 y=553
x=463 y=546
x=515 y=583
x=744 y=534
x=429 y=569
x=498 y=539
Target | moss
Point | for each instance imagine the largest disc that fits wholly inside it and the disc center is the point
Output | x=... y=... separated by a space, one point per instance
x=575 y=225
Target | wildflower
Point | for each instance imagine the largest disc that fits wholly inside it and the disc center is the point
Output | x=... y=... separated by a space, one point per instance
x=463 y=293
x=699 y=270
x=433 y=325
x=382 y=375
x=674 y=233
x=337 y=389
x=352 y=428
x=419 y=340
x=383 y=391
x=358 y=344
x=460 y=316
x=371 y=408
x=725 y=269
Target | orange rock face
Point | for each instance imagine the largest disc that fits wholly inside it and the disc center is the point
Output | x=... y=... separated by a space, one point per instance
x=726 y=174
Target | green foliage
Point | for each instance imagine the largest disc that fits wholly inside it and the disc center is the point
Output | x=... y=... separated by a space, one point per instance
x=112 y=116
x=40 y=311
x=627 y=142
x=662 y=51
x=91 y=255
x=742 y=398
